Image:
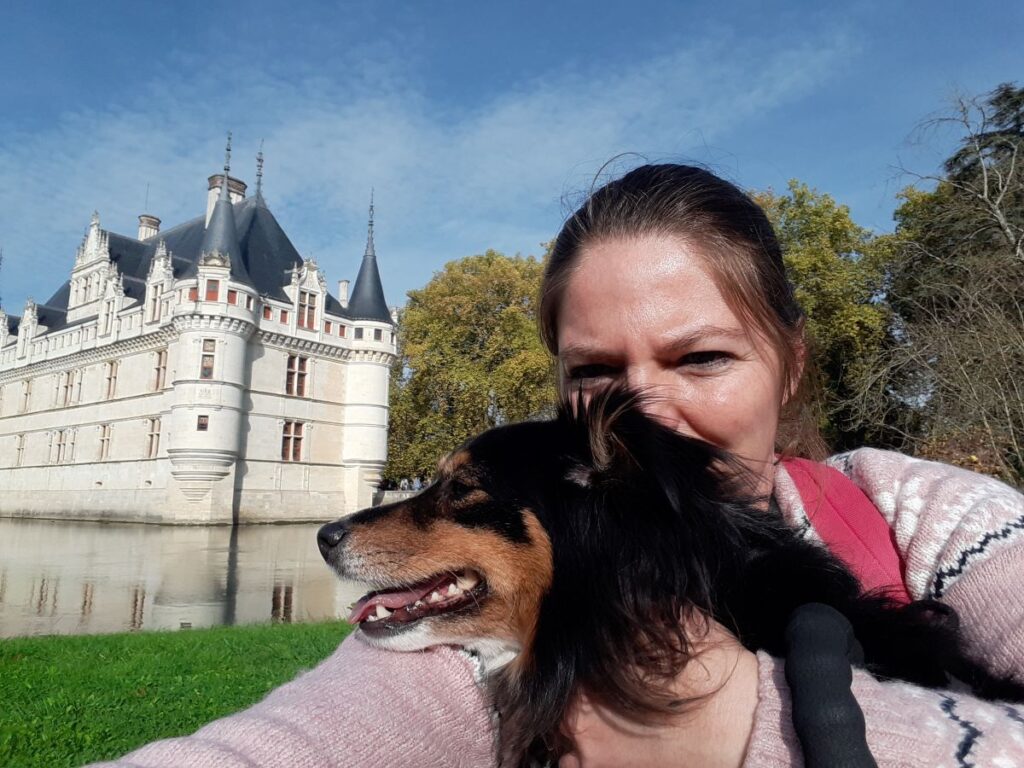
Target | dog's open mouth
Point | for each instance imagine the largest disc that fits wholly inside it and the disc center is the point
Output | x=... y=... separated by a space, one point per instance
x=388 y=610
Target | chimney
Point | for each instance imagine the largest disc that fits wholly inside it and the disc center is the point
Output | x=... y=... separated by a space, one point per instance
x=148 y=226
x=343 y=292
x=236 y=191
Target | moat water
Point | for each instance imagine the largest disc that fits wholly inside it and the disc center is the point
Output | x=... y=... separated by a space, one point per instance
x=88 y=578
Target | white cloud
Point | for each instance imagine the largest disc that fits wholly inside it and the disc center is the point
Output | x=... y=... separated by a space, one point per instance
x=449 y=182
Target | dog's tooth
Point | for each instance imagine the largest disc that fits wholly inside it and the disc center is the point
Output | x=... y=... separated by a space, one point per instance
x=382 y=612
x=466 y=583
x=435 y=597
x=453 y=590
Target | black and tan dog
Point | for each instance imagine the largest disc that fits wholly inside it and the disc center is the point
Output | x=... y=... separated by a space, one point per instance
x=570 y=554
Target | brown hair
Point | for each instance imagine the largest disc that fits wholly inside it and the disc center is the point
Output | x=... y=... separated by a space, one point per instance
x=739 y=246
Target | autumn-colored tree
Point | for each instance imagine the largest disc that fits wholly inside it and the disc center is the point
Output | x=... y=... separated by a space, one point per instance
x=837 y=268
x=469 y=358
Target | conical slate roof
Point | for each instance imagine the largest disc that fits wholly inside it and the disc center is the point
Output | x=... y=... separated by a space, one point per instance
x=221 y=235
x=367 y=300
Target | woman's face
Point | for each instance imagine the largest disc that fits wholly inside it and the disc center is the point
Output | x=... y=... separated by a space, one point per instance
x=645 y=311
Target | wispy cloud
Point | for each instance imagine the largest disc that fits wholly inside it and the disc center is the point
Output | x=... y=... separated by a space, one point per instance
x=449 y=181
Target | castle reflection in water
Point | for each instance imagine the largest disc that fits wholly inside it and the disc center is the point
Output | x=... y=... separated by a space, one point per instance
x=87 y=578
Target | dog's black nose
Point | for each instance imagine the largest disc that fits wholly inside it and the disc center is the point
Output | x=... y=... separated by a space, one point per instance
x=330 y=536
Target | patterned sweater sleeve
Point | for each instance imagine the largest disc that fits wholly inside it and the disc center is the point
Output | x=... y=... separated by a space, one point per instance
x=961 y=538
x=360 y=708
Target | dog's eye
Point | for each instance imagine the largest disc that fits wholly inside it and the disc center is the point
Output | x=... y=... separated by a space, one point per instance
x=457 y=489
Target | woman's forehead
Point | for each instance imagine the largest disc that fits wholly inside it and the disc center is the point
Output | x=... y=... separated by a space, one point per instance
x=655 y=286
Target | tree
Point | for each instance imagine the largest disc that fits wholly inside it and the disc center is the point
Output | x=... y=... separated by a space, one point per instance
x=469 y=358
x=950 y=381
x=837 y=268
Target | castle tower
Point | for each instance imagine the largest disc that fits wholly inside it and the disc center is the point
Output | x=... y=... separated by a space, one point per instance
x=211 y=372
x=366 y=386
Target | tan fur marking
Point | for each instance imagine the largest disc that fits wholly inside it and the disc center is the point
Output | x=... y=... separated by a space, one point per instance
x=518 y=576
x=450 y=463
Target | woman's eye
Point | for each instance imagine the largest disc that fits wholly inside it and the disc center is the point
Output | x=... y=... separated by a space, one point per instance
x=589 y=372
x=705 y=359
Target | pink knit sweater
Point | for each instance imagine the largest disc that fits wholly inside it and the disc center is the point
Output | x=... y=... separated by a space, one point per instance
x=961 y=536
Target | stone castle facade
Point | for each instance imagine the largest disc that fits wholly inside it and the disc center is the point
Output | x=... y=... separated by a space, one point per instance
x=201 y=374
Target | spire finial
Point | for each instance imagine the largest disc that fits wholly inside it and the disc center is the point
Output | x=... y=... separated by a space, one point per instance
x=224 y=192
x=259 y=172
x=369 y=232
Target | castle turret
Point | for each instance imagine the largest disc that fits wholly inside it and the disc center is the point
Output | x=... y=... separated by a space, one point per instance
x=366 y=385
x=210 y=372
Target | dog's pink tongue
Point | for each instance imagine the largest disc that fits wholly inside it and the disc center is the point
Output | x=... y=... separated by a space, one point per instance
x=398 y=598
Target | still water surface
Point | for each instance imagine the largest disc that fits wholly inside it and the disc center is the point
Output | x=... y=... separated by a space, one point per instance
x=85 y=578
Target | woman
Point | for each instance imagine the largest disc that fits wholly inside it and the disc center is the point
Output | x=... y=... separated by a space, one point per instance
x=671 y=280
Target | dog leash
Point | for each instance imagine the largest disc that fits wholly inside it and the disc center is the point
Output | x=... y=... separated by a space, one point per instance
x=820 y=649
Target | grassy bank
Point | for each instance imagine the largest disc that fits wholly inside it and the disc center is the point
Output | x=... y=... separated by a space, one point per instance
x=65 y=701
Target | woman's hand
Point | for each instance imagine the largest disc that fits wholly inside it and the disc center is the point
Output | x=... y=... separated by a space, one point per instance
x=713 y=734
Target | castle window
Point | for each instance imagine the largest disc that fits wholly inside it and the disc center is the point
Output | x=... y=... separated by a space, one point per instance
x=206 y=364
x=76 y=396
x=58 y=380
x=152 y=438
x=328 y=326
x=67 y=387
x=104 y=442
x=111 y=378
x=63 y=448
x=212 y=290
x=291 y=441
x=232 y=296
x=193 y=293
x=295 y=377
x=108 y=318
x=307 y=310
x=268 y=313
x=19 y=450
x=284 y=315
x=248 y=302
x=359 y=333
x=26 y=395
x=378 y=334
x=160 y=370
x=154 y=304
x=342 y=331
x=202 y=423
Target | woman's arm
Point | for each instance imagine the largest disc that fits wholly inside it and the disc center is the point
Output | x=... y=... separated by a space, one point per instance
x=961 y=538
x=360 y=708
x=907 y=726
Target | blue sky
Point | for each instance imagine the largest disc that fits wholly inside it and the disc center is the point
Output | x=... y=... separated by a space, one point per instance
x=477 y=123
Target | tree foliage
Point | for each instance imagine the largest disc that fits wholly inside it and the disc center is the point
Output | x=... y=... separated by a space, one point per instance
x=470 y=358
x=837 y=268
x=950 y=382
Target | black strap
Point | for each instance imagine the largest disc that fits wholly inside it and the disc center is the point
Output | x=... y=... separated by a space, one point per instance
x=820 y=648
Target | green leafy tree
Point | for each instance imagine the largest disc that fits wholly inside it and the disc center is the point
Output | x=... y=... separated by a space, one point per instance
x=838 y=269
x=469 y=358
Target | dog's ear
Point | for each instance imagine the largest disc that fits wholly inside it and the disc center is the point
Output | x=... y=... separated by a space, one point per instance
x=597 y=425
x=616 y=440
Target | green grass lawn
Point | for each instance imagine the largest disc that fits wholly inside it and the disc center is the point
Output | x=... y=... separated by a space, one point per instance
x=65 y=701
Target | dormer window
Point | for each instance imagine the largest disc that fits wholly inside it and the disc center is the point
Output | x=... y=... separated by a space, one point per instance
x=212 y=290
x=307 y=310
